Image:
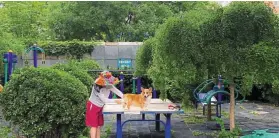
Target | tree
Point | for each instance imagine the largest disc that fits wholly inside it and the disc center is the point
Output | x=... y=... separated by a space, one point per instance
x=262 y=69
x=209 y=42
x=177 y=54
x=25 y=20
x=87 y=20
x=144 y=57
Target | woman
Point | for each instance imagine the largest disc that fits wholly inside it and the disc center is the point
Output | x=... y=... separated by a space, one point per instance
x=94 y=108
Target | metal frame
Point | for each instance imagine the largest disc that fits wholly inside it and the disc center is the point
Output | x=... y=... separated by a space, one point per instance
x=9 y=60
x=167 y=123
x=35 y=48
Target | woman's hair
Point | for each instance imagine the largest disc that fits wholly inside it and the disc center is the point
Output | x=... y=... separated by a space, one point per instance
x=100 y=80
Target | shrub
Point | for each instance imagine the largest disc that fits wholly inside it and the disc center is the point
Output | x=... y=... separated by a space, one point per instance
x=144 y=57
x=45 y=102
x=86 y=65
x=76 y=72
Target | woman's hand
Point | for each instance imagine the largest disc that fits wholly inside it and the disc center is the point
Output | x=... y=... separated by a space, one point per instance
x=116 y=81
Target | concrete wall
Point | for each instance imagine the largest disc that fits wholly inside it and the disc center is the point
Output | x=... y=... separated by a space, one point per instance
x=106 y=54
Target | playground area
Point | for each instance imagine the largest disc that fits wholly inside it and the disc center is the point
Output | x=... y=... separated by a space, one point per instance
x=199 y=69
x=212 y=101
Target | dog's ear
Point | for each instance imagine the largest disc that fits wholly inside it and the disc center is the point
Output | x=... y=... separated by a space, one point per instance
x=142 y=89
x=150 y=89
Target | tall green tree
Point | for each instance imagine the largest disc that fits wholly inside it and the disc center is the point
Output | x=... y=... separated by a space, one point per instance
x=144 y=57
x=177 y=56
x=206 y=43
x=87 y=20
x=25 y=20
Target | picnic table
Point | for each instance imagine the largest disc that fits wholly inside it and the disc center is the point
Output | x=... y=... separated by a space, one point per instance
x=156 y=107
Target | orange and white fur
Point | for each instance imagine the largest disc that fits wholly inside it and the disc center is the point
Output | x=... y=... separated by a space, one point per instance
x=140 y=100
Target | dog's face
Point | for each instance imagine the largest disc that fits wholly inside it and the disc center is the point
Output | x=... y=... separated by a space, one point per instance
x=146 y=92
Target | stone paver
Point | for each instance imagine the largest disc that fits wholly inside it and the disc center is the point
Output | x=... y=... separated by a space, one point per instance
x=255 y=116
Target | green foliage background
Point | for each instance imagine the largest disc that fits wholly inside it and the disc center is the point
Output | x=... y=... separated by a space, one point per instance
x=236 y=41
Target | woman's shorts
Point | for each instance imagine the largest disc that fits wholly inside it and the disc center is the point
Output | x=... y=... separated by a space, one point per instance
x=94 y=115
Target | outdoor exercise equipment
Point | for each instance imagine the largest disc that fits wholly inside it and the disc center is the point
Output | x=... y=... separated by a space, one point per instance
x=263 y=133
x=135 y=88
x=35 y=49
x=10 y=59
x=121 y=77
x=208 y=97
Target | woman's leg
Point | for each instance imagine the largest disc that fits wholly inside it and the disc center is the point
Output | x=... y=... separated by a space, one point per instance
x=98 y=132
x=93 y=132
x=100 y=123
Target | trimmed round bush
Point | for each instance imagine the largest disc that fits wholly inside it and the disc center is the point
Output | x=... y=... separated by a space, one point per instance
x=45 y=102
x=84 y=77
x=87 y=65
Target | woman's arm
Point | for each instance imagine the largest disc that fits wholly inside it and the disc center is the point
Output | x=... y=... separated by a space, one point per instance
x=116 y=81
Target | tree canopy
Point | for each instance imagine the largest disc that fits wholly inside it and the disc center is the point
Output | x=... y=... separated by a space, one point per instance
x=202 y=44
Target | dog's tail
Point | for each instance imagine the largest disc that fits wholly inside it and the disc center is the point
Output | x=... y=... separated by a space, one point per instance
x=118 y=101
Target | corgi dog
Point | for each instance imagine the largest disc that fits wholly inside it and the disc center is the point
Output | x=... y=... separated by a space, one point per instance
x=140 y=100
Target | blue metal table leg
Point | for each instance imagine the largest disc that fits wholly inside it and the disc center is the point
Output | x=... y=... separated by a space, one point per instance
x=168 y=126
x=143 y=116
x=118 y=126
x=157 y=123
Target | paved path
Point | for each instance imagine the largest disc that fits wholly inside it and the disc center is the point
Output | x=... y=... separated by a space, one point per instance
x=252 y=116
x=249 y=116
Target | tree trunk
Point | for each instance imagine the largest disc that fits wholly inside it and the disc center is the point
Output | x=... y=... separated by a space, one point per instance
x=232 y=105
